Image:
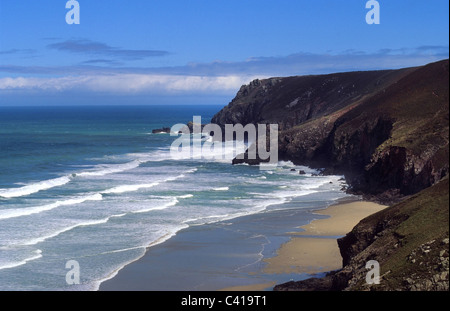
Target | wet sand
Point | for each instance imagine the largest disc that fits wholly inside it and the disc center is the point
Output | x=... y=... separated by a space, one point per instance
x=315 y=249
x=250 y=253
x=224 y=255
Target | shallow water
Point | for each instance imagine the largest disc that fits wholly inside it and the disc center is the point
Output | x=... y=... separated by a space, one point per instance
x=92 y=184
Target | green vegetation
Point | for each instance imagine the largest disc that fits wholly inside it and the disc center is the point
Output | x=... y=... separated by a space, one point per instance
x=420 y=220
x=428 y=220
x=388 y=133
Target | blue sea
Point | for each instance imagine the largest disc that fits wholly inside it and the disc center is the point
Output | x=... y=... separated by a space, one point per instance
x=94 y=185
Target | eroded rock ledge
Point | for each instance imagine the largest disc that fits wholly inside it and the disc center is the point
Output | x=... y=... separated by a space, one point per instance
x=409 y=240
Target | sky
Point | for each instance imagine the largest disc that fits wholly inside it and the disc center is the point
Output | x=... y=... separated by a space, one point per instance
x=200 y=52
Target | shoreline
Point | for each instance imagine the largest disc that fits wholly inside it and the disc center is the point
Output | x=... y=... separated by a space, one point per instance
x=113 y=274
x=208 y=250
x=214 y=256
x=315 y=250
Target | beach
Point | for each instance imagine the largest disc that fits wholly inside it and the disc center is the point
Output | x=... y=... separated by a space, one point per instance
x=127 y=204
x=263 y=250
x=315 y=249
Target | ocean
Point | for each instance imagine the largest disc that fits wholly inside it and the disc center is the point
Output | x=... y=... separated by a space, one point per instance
x=92 y=184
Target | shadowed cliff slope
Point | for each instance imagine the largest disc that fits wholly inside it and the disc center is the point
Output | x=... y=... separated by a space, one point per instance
x=387 y=131
x=409 y=240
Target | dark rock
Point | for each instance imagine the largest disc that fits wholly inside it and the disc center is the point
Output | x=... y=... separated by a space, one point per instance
x=379 y=237
x=243 y=158
x=302 y=172
x=367 y=127
x=161 y=130
x=293 y=169
x=345 y=123
x=312 y=284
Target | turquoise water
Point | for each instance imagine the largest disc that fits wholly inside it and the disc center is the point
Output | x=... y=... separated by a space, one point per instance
x=92 y=184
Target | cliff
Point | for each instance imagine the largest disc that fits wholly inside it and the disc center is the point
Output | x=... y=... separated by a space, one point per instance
x=409 y=240
x=388 y=133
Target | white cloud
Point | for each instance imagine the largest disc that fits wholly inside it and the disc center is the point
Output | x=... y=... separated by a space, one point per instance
x=129 y=83
x=55 y=84
x=203 y=78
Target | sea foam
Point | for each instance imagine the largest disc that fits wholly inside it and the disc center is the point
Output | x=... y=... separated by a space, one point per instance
x=69 y=228
x=221 y=189
x=129 y=188
x=102 y=170
x=18 y=212
x=37 y=254
x=35 y=187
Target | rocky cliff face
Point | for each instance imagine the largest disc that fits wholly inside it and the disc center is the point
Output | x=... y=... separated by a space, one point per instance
x=387 y=131
x=294 y=100
x=409 y=240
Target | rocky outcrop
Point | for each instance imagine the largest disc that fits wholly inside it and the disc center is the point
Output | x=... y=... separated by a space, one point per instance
x=164 y=130
x=409 y=240
x=294 y=100
x=387 y=131
x=437 y=267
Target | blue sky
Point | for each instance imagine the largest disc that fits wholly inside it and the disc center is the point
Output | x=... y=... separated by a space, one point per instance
x=155 y=51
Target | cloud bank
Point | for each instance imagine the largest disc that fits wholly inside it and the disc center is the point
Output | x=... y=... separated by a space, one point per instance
x=102 y=75
x=128 y=83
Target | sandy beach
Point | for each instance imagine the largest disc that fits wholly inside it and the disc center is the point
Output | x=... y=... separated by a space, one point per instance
x=315 y=249
x=228 y=256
